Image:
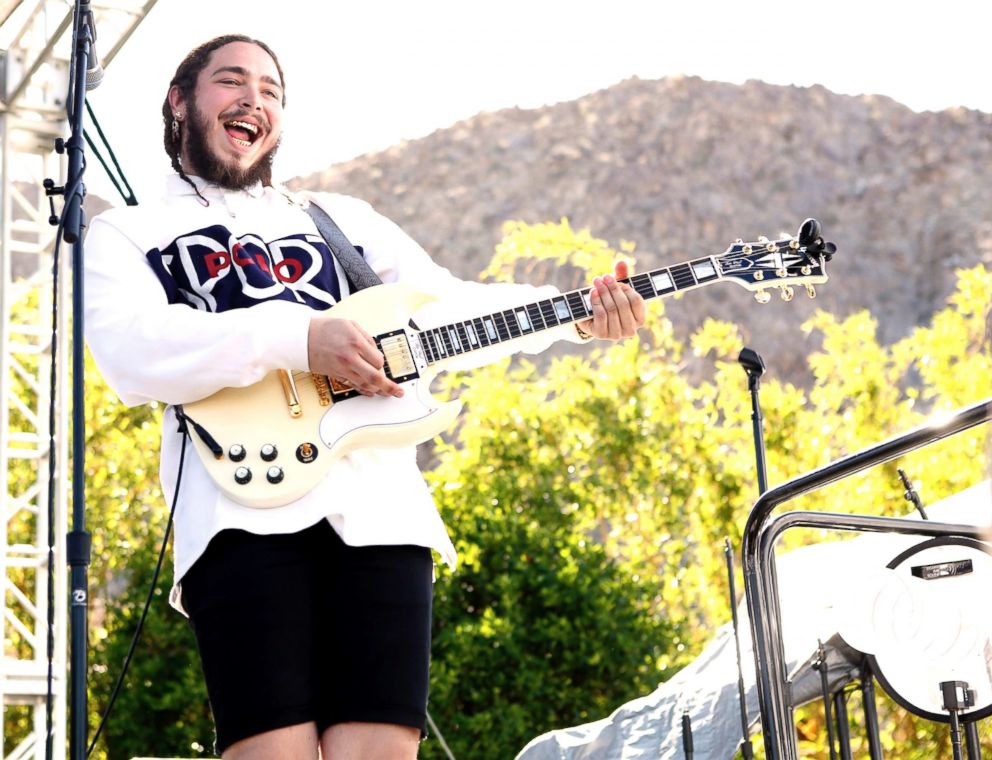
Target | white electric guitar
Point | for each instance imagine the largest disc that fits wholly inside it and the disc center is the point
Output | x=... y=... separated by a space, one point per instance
x=268 y=444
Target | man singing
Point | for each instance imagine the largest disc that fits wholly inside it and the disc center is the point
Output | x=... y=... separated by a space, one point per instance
x=312 y=619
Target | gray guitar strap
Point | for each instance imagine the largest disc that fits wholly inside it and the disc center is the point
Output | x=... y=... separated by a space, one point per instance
x=356 y=268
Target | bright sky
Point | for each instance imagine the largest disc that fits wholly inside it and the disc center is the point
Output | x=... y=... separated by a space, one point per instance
x=362 y=75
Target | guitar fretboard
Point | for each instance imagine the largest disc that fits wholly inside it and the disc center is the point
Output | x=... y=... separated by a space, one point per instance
x=501 y=326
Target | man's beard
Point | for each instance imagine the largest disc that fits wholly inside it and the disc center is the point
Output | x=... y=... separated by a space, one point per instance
x=206 y=165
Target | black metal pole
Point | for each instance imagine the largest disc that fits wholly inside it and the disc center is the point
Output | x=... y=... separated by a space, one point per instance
x=843 y=727
x=974 y=743
x=957 y=698
x=78 y=540
x=956 y=752
x=871 y=714
x=747 y=751
x=754 y=366
x=821 y=665
x=687 y=735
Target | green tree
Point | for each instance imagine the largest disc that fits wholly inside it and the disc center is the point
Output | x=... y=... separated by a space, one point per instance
x=621 y=451
x=162 y=708
x=588 y=500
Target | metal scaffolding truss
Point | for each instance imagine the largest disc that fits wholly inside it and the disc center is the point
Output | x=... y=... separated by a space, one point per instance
x=35 y=39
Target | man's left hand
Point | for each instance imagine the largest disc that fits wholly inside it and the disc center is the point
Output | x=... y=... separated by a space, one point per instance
x=617 y=309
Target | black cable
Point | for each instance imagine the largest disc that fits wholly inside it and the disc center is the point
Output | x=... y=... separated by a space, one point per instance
x=76 y=21
x=52 y=386
x=129 y=198
x=110 y=176
x=148 y=600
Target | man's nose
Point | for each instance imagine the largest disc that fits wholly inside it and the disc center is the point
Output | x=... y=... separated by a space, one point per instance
x=251 y=99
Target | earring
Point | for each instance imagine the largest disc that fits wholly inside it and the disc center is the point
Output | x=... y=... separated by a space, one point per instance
x=176 y=118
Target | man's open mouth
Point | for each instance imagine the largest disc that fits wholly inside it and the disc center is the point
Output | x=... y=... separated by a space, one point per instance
x=243 y=133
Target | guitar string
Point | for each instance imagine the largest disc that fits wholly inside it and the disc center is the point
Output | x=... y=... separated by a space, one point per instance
x=757 y=249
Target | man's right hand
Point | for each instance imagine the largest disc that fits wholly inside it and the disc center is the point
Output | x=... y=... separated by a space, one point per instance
x=341 y=349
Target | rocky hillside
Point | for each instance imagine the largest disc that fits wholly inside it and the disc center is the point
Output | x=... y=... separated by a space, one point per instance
x=682 y=167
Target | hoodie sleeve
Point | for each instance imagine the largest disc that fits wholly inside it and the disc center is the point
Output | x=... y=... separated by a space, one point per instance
x=149 y=349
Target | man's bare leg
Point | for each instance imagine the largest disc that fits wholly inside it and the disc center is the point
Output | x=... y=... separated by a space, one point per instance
x=297 y=742
x=369 y=741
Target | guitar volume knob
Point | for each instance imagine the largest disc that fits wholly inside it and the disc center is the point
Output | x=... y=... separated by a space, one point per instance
x=242 y=475
x=236 y=453
x=268 y=452
x=274 y=475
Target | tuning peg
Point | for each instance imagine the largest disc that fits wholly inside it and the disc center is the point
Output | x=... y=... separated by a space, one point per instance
x=762 y=296
x=794 y=244
x=810 y=290
x=787 y=293
x=762 y=239
x=829 y=249
x=809 y=231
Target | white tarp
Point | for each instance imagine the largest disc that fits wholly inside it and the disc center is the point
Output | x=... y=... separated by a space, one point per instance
x=815 y=586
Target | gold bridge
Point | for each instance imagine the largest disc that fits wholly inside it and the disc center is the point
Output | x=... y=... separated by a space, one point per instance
x=400 y=366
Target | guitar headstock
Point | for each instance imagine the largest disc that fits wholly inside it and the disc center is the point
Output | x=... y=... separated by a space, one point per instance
x=784 y=263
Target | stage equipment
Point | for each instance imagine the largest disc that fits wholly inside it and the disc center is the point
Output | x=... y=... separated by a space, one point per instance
x=754 y=366
x=911 y=495
x=34 y=61
x=78 y=540
x=923 y=619
x=687 y=736
x=762 y=530
x=746 y=749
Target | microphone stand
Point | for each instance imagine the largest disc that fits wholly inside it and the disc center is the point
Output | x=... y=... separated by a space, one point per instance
x=78 y=539
x=754 y=366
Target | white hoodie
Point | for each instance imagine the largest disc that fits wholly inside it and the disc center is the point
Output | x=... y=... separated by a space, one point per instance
x=184 y=299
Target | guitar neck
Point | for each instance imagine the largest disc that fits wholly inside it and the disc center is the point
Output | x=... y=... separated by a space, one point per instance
x=574 y=306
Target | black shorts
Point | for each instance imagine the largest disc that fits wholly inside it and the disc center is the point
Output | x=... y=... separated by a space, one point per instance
x=302 y=627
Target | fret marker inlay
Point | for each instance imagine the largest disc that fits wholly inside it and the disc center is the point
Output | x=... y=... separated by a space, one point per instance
x=490 y=329
x=662 y=281
x=703 y=269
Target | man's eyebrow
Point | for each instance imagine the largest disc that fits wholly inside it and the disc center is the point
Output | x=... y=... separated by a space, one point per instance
x=243 y=72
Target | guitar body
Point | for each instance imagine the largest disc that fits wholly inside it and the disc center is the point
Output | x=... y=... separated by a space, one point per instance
x=307 y=444
x=276 y=442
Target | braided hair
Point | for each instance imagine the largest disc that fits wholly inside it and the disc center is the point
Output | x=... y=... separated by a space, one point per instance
x=185 y=79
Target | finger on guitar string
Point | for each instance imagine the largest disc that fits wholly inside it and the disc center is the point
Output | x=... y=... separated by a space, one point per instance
x=342 y=349
x=605 y=310
x=630 y=304
x=618 y=310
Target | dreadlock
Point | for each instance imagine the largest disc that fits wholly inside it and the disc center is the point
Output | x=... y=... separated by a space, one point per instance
x=185 y=79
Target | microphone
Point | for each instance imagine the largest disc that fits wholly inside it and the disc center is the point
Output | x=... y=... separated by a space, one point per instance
x=94 y=71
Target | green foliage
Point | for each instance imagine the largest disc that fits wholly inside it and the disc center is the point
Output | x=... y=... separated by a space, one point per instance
x=620 y=452
x=162 y=708
x=588 y=501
